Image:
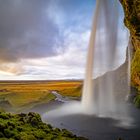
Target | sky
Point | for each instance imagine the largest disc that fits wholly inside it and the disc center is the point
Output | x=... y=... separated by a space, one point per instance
x=48 y=39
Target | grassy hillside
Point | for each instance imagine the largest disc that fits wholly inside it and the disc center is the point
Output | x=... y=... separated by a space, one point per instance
x=30 y=127
x=18 y=95
x=135 y=74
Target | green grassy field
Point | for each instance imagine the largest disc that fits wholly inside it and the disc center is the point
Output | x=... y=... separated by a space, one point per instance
x=21 y=94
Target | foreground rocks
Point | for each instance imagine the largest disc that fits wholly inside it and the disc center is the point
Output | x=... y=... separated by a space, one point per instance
x=30 y=127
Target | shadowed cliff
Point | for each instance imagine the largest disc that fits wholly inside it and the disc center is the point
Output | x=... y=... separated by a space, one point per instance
x=132 y=22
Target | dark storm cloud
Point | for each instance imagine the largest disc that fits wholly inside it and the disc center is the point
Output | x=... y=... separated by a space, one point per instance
x=26 y=30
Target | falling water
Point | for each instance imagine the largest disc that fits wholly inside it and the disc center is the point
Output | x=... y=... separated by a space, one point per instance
x=87 y=98
x=99 y=97
x=102 y=52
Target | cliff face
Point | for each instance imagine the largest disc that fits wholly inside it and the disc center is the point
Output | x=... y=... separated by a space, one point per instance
x=132 y=22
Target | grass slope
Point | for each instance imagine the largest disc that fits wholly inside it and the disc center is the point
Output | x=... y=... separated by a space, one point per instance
x=30 y=127
x=23 y=94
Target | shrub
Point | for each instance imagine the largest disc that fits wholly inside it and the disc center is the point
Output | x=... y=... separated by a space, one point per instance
x=30 y=127
x=137 y=101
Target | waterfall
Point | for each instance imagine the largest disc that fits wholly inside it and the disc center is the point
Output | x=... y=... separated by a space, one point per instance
x=99 y=97
x=87 y=97
x=103 y=51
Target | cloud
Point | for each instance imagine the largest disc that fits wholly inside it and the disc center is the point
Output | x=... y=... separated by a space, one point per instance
x=12 y=69
x=67 y=65
x=72 y=13
x=30 y=29
x=26 y=31
x=47 y=39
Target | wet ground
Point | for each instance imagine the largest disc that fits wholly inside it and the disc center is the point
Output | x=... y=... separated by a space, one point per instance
x=91 y=126
x=96 y=128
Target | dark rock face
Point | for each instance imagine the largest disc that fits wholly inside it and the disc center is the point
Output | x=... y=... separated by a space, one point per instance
x=132 y=22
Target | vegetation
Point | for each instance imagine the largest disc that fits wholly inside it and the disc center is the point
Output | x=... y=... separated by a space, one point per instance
x=26 y=94
x=135 y=76
x=132 y=22
x=137 y=101
x=30 y=127
x=132 y=16
x=135 y=70
x=75 y=92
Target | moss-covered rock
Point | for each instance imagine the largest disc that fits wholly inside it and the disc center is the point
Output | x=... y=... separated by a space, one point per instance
x=30 y=127
x=135 y=69
x=137 y=101
x=132 y=22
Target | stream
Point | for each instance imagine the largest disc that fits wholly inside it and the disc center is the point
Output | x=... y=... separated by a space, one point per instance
x=60 y=98
x=90 y=126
